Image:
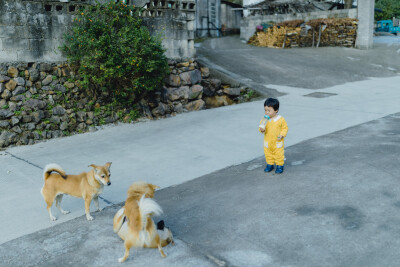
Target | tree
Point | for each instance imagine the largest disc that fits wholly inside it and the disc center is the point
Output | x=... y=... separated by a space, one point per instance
x=389 y=9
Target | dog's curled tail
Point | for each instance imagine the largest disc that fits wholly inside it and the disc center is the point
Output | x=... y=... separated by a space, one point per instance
x=53 y=167
x=148 y=208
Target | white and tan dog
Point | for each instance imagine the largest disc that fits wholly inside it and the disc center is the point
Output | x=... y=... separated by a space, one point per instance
x=134 y=223
x=87 y=185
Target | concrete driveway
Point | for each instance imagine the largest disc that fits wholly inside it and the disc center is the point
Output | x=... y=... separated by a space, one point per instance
x=311 y=68
x=335 y=204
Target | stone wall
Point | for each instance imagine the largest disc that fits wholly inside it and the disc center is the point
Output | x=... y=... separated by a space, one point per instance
x=248 y=24
x=40 y=101
x=32 y=30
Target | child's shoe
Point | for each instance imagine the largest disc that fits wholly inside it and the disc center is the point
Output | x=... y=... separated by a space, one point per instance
x=269 y=168
x=279 y=169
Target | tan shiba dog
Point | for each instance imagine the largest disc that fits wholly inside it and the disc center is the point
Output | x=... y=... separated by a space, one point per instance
x=87 y=185
x=134 y=223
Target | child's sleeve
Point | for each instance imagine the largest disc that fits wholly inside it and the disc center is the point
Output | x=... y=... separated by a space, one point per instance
x=284 y=128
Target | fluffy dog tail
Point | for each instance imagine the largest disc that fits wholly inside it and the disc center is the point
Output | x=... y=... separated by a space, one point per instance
x=53 y=167
x=148 y=208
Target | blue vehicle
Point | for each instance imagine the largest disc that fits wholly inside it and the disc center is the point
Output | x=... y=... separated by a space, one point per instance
x=387 y=26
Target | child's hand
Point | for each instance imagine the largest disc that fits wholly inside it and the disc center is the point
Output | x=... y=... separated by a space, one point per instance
x=280 y=137
x=261 y=129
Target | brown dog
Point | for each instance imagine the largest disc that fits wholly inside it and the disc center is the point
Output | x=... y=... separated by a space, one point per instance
x=134 y=223
x=87 y=185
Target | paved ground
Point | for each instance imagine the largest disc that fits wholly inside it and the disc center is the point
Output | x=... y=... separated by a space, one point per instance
x=312 y=68
x=335 y=205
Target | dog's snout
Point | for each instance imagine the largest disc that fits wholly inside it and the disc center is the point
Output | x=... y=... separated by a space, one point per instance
x=109 y=183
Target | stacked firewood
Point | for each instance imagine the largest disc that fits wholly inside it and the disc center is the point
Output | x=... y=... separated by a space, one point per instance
x=318 y=32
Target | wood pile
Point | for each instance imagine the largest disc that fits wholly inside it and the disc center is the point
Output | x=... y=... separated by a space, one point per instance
x=318 y=32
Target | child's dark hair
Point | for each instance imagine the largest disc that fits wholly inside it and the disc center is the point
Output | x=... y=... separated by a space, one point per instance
x=272 y=102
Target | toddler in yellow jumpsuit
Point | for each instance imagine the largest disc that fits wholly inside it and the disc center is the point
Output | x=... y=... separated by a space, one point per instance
x=274 y=136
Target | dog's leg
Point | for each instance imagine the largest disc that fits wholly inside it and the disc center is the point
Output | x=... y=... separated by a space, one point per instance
x=96 y=202
x=128 y=246
x=158 y=241
x=53 y=218
x=58 y=204
x=87 y=208
x=49 y=202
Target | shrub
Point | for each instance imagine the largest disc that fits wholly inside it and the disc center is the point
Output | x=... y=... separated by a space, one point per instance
x=387 y=9
x=114 y=53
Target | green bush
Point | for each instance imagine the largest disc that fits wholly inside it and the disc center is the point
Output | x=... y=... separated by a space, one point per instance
x=114 y=53
x=389 y=9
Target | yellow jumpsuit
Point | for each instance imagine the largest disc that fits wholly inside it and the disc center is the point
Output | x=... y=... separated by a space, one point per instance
x=274 y=148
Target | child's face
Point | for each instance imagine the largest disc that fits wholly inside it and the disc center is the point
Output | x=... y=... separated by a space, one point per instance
x=269 y=111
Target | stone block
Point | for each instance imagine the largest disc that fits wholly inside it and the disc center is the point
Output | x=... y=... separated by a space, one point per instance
x=196 y=91
x=232 y=91
x=195 y=105
x=19 y=90
x=12 y=71
x=10 y=85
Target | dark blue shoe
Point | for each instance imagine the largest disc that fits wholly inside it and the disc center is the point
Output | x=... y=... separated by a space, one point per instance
x=279 y=169
x=269 y=168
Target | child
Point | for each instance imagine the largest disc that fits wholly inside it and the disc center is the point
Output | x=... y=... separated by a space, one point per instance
x=274 y=134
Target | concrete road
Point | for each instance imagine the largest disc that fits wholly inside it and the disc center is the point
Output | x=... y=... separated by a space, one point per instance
x=173 y=151
x=311 y=68
x=337 y=204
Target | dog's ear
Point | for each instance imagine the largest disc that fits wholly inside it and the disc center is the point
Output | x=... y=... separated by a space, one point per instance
x=94 y=167
x=108 y=164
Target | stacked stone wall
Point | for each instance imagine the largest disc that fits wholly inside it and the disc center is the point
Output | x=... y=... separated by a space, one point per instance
x=41 y=101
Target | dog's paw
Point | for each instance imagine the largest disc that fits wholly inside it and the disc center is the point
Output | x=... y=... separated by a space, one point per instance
x=89 y=218
x=121 y=259
x=53 y=218
x=65 y=212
